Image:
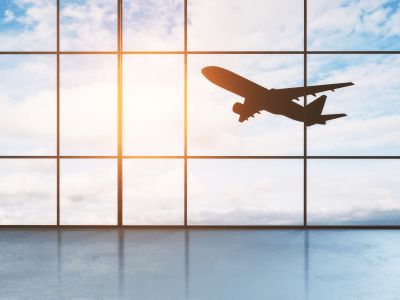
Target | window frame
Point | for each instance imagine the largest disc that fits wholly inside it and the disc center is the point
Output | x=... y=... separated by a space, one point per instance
x=120 y=157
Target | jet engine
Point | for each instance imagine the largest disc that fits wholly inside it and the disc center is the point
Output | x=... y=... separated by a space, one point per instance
x=238 y=108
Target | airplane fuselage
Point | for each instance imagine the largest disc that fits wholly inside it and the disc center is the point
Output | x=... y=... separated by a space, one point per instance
x=284 y=107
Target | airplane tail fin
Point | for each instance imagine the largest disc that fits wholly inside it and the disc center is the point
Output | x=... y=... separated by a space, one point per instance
x=314 y=112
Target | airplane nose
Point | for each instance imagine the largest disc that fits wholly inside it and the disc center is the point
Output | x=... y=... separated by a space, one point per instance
x=212 y=73
x=206 y=71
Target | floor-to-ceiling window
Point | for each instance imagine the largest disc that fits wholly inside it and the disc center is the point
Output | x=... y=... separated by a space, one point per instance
x=106 y=118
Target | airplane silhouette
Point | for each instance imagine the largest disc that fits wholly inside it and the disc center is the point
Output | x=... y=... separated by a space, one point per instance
x=276 y=101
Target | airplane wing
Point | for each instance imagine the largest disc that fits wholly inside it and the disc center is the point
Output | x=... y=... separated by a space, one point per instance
x=248 y=89
x=295 y=93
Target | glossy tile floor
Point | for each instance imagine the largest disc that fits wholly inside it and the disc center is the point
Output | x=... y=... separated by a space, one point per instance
x=199 y=264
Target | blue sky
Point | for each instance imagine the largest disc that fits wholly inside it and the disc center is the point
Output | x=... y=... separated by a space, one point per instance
x=153 y=93
x=353 y=25
x=8 y=10
x=28 y=25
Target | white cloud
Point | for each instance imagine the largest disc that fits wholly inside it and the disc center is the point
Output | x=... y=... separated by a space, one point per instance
x=30 y=118
x=197 y=186
x=371 y=23
x=88 y=192
x=356 y=135
x=19 y=188
x=252 y=25
x=9 y=16
x=260 y=192
x=88 y=105
x=352 y=191
x=45 y=166
x=392 y=26
x=28 y=104
x=91 y=26
x=231 y=194
x=25 y=76
x=28 y=191
x=352 y=25
x=153 y=25
x=153 y=105
x=88 y=120
x=153 y=192
x=247 y=216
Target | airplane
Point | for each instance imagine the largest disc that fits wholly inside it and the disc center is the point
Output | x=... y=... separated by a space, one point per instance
x=276 y=101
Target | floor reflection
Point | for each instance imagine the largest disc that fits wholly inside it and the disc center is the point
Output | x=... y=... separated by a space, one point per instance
x=306 y=263
x=121 y=263
x=199 y=264
x=187 y=264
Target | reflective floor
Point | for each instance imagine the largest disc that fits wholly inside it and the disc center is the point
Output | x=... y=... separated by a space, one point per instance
x=199 y=264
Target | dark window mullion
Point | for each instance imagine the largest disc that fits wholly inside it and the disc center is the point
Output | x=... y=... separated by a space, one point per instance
x=58 y=112
x=305 y=104
x=120 y=174
x=185 y=112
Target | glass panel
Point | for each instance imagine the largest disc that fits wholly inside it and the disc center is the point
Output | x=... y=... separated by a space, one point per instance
x=28 y=25
x=28 y=192
x=257 y=25
x=153 y=192
x=89 y=103
x=245 y=192
x=353 y=25
x=156 y=25
x=153 y=104
x=88 y=192
x=213 y=129
x=28 y=105
x=88 y=25
x=353 y=192
x=372 y=105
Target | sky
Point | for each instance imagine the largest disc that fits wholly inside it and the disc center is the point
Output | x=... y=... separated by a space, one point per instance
x=220 y=191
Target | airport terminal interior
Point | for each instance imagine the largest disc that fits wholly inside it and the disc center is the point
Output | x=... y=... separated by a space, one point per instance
x=199 y=149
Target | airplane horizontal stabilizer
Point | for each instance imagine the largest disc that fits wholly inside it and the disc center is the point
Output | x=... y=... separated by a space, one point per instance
x=314 y=112
x=325 y=118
